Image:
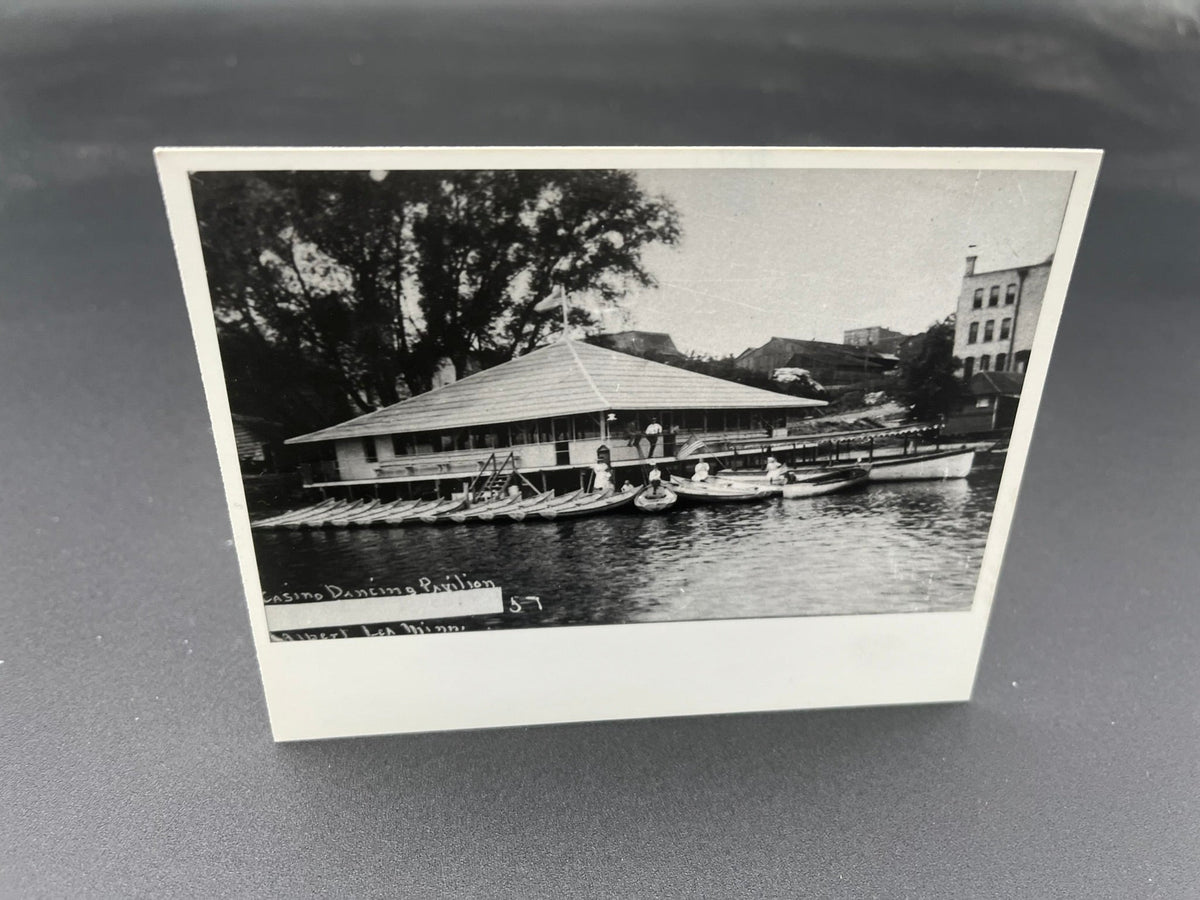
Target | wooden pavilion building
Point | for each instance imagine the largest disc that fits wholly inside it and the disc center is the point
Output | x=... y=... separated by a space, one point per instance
x=549 y=415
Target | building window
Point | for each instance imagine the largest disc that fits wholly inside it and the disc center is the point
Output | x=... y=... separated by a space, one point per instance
x=994 y=295
x=1021 y=361
x=983 y=403
x=1005 y=328
x=989 y=330
x=985 y=363
x=401 y=445
x=1010 y=295
x=1001 y=359
x=968 y=368
x=973 y=333
x=370 y=454
x=977 y=303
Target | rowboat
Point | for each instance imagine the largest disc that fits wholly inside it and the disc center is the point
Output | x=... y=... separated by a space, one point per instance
x=924 y=466
x=771 y=488
x=414 y=514
x=440 y=514
x=825 y=483
x=488 y=511
x=278 y=521
x=315 y=520
x=714 y=491
x=378 y=514
x=326 y=520
x=655 y=498
x=589 y=505
x=520 y=513
x=359 y=516
x=752 y=476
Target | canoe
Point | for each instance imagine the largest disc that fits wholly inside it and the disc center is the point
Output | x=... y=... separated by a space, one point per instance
x=282 y=519
x=585 y=505
x=825 y=483
x=520 y=513
x=711 y=491
x=924 y=466
x=655 y=499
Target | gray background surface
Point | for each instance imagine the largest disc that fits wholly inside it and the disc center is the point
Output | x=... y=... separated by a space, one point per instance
x=135 y=754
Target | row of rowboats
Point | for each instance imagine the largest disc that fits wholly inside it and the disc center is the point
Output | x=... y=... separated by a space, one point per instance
x=740 y=486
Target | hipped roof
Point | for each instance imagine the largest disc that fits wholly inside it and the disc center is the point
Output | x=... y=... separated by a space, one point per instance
x=562 y=379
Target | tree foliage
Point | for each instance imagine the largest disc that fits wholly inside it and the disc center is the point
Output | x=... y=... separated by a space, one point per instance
x=927 y=383
x=339 y=292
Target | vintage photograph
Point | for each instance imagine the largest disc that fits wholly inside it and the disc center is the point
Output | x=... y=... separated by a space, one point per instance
x=608 y=396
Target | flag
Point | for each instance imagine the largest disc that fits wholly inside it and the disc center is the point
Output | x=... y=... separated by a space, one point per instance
x=554 y=301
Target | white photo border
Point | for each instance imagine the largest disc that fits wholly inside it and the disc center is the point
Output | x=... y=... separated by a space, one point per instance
x=526 y=676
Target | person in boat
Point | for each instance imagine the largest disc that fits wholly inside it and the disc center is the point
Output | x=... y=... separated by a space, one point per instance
x=701 y=472
x=653 y=431
x=602 y=480
x=654 y=481
x=775 y=470
x=514 y=491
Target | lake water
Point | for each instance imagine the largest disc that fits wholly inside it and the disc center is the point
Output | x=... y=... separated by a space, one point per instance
x=885 y=548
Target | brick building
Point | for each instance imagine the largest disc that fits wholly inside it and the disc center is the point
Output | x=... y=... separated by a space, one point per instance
x=997 y=316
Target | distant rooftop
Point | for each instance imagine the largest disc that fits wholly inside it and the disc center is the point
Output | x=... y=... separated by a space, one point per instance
x=1004 y=383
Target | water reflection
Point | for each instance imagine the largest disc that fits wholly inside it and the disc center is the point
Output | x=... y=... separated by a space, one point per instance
x=886 y=548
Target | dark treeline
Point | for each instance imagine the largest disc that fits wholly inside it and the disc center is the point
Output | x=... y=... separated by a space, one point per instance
x=928 y=383
x=336 y=293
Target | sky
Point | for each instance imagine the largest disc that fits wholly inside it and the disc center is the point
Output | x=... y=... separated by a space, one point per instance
x=807 y=253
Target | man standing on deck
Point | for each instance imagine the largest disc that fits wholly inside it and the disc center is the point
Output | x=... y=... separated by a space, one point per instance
x=635 y=433
x=653 y=430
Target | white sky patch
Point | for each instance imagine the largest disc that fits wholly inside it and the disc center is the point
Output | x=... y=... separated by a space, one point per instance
x=808 y=253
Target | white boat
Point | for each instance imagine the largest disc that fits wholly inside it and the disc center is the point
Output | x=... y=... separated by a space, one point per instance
x=712 y=490
x=296 y=514
x=520 y=513
x=772 y=487
x=371 y=517
x=590 y=505
x=315 y=520
x=340 y=520
x=924 y=466
x=414 y=513
x=825 y=483
x=488 y=511
x=655 y=498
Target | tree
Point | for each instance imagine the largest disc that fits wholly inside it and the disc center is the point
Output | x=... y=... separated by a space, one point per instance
x=490 y=246
x=355 y=286
x=927 y=383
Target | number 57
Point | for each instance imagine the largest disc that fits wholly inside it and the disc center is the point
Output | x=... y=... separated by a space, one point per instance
x=515 y=605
